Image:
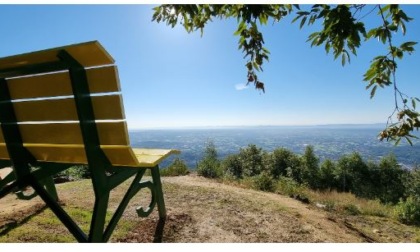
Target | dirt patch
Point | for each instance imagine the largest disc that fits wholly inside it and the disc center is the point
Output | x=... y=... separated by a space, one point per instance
x=18 y=217
x=225 y=213
x=155 y=230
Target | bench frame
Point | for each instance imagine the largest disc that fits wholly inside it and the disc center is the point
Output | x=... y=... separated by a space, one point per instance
x=40 y=178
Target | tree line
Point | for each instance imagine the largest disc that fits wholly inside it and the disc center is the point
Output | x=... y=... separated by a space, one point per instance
x=384 y=180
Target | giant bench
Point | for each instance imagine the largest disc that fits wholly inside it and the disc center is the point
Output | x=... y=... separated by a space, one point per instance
x=63 y=107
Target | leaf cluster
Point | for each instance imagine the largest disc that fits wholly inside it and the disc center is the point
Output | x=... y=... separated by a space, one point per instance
x=341 y=32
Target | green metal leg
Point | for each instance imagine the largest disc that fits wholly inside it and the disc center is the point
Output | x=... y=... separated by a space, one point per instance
x=98 y=218
x=59 y=212
x=132 y=190
x=141 y=212
x=159 y=193
x=46 y=190
x=50 y=187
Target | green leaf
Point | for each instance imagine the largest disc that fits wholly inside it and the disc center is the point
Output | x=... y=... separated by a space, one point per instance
x=255 y=65
x=371 y=33
x=392 y=27
x=302 y=13
x=302 y=23
x=408 y=140
x=413 y=103
x=265 y=50
x=403 y=29
x=343 y=59
x=295 y=19
x=384 y=9
x=327 y=47
x=241 y=27
x=408 y=45
x=372 y=93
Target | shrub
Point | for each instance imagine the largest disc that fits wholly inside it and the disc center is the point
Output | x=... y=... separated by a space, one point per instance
x=264 y=182
x=177 y=168
x=351 y=209
x=77 y=172
x=408 y=212
x=288 y=186
x=251 y=159
x=310 y=171
x=209 y=166
x=327 y=179
x=232 y=166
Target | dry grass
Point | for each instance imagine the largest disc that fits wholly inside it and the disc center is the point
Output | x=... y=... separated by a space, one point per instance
x=347 y=203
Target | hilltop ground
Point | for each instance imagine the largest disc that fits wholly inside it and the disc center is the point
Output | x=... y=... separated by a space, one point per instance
x=202 y=210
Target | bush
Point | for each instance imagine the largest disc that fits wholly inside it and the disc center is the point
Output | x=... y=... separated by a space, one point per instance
x=77 y=172
x=351 y=209
x=288 y=186
x=251 y=159
x=209 y=166
x=408 y=212
x=264 y=182
x=232 y=166
x=177 y=168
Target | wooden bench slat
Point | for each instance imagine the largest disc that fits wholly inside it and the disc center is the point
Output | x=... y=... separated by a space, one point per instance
x=110 y=133
x=107 y=107
x=100 y=80
x=152 y=157
x=88 y=54
x=74 y=153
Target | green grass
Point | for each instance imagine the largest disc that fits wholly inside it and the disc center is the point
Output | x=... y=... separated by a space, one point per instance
x=45 y=227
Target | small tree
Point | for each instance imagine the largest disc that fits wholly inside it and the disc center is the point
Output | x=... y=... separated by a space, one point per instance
x=251 y=159
x=412 y=183
x=327 y=179
x=391 y=180
x=281 y=159
x=177 y=168
x=209 y=166
x=353 y=175
x=232 y=166
x=310 y=173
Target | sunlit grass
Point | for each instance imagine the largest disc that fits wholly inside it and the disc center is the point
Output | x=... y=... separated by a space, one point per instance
x=332 y=201
x=347 y=203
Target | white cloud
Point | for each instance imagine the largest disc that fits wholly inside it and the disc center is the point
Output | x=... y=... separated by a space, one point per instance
x=241 y=86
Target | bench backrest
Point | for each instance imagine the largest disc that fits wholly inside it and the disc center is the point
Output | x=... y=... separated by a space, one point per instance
x=43 y=110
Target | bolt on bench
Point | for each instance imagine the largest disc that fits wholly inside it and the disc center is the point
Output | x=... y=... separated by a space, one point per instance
x=63 y=107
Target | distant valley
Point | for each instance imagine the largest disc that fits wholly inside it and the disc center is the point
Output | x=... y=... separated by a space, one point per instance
x=329 y=141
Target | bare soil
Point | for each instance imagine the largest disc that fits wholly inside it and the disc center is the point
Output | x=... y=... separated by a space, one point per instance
x=202 y=210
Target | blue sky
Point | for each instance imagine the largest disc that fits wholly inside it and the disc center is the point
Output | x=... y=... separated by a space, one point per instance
x=170 y=78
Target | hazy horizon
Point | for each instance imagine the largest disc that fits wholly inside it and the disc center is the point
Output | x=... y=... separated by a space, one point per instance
x=355 y=125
